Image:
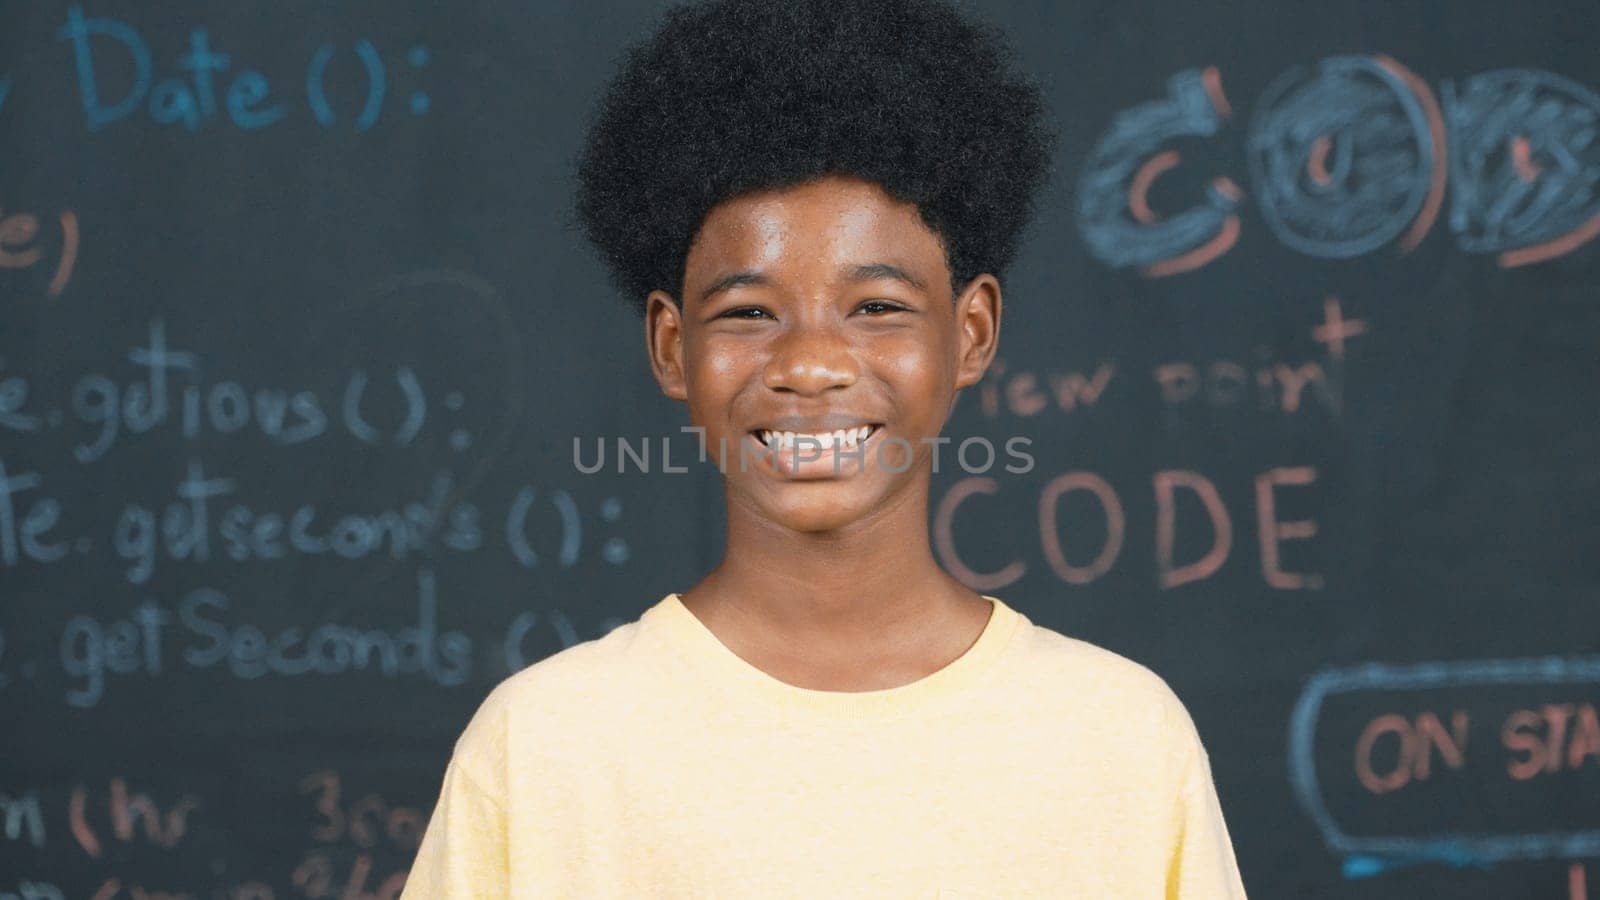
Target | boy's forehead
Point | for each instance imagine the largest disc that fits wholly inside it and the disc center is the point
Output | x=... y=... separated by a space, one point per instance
x=832 y=222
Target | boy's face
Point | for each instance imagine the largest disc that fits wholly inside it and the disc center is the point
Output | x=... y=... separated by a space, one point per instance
x=794 y=319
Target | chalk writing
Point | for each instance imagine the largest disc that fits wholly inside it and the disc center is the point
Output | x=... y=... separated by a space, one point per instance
x=1432 y=726
x=1268 y=385
x=1346 y=155
x=188 y=529
x=1546 y=739
x=27 y=537
x=1114 y=217
x=359 y=842
x=201 y=524
x=129 y=817
x=1082 y=548
x=31 y=890
x=1553 y=738
x=1349 y=155
x=1527 y=164
x=318 y=877
x=93 y=649
x=1419 y=740
x=1026 y=394
x=366 y=822
x=204 y=85
x=23 y=244
x=22 y=818
x=169 y=391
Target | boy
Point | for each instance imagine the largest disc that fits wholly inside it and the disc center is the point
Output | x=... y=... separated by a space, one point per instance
x=809 y=201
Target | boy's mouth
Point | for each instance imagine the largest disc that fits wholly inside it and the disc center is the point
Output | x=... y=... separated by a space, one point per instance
x=818 y=454
x=845 y=438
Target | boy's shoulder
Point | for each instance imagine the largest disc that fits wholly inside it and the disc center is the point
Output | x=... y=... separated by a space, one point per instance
x=1052 y=653
x=1073 y=676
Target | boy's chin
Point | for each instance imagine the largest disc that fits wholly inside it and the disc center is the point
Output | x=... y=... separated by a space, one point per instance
x=817 y=506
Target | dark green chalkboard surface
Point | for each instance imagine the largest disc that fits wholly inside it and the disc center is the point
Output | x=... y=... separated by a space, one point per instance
x=295 y=341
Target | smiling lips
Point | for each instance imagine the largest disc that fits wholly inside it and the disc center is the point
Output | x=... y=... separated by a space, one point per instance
x=815 y=453
x=847 y=438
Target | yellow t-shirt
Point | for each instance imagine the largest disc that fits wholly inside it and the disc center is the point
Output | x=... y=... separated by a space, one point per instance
x=656 y=762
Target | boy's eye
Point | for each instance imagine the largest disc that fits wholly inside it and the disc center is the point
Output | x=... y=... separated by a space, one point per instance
x=880 y=306
x=743 y=312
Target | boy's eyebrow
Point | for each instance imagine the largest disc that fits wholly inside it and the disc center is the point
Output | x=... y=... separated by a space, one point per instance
x=861 y=272
x=874 y=271
x=737 y=279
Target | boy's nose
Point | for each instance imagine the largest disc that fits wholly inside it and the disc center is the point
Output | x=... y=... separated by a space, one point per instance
x=810 y=361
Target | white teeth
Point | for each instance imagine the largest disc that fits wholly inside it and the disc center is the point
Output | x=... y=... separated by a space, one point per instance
x=844 y=437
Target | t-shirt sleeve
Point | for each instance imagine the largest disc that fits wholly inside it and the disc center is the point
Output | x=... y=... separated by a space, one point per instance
x=1202 y=865
x=464 y=851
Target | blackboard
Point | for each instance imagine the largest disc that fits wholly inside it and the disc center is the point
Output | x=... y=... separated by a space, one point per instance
x=297 y=339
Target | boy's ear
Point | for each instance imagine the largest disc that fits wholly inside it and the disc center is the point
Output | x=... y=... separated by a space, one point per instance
x=663 y=335
x=978 y=329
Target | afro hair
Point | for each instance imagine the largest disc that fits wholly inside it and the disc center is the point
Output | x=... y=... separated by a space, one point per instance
x=734 y=96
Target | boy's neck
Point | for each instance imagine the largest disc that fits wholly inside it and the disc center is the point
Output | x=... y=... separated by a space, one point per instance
x=862 y=608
